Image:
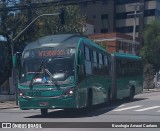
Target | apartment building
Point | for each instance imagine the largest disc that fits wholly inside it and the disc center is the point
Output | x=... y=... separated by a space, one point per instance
x=119 y=15
x=116 y=42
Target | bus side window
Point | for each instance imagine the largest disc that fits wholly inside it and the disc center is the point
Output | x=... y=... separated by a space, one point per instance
x=119 y=68
x=106 y=65
x=95 y=62
x=88 y=66
x=81 y=68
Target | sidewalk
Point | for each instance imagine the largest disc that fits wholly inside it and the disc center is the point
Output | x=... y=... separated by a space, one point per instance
x=151 y=90
x=8 y=105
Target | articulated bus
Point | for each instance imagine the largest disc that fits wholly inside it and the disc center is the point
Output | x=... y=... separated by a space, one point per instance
x=127 y=76
x=71 y=71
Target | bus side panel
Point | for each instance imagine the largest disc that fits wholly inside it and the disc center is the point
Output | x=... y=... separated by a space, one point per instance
x=139 y=87
x=126 y=73
x=122 y=87
x=98 y=85
x=114 y=77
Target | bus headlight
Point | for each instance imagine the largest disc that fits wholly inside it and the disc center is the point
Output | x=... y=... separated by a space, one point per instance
x=21 y=92
x=69 y=91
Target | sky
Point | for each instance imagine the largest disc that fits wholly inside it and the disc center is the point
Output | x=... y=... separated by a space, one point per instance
x=2 y=38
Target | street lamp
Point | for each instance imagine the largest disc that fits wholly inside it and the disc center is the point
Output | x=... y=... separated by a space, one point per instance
x=61 y=15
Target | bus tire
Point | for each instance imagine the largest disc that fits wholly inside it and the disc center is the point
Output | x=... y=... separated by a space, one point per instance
x=109 y=97
x=132 y=93
x=89 y=100
x=44 y=112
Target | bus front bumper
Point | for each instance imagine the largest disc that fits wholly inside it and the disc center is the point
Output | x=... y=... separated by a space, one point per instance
x=49 y=103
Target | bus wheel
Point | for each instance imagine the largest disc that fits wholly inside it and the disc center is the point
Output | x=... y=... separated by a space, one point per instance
x=44 y=112
x=109 y=97
x=89 y=100
x=132 y=93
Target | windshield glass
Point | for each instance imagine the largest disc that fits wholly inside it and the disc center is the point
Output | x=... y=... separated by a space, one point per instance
x=47 y=66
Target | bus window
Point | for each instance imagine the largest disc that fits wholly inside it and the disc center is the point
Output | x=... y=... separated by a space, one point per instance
x=87 y=53
x=100 y=59
x=106 y=60
x=88 y=66
x=95 y=57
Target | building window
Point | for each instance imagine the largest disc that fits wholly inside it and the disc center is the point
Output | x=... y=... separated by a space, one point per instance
x=104 y=16
x=121 y=2
x=104 y=30
x=94 y=2
x=120 y=45
x=84 y=4
x=126 y=29
x=151 y=12
x=104 y=2
x=94 y=16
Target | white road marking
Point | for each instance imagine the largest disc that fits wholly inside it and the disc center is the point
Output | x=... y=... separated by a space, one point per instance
x=149 y=108
x=158 y=111
x=127 y=108
x=121 y=105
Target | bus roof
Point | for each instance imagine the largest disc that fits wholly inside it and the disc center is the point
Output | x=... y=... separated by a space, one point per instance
x=68 y=40
x=126 y=56
x=96 y=45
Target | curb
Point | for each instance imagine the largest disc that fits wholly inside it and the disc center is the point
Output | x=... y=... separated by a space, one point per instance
x=3 y=108
x=8 y=105
x=150 y=90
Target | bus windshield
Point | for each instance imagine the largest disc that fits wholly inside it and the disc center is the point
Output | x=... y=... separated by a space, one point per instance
x=45 y=68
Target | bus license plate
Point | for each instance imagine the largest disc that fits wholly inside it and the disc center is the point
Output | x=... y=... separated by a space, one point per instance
x=43 y=104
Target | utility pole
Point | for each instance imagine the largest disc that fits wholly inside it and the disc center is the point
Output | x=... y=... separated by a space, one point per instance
x=136 y=13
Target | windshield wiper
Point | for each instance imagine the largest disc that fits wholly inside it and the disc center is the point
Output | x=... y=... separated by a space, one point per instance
x=35 y=75
x=53 y=79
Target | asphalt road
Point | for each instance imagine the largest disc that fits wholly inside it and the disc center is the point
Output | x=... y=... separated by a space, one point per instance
x=144 y=108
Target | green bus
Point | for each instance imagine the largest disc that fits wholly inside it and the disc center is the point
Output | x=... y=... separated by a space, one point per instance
x=63 y=71
x=127 y=76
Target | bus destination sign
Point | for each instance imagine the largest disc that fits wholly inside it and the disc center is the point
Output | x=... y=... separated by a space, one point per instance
x=49 y=53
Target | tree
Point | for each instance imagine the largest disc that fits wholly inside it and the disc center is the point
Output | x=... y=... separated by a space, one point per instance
x=5 y=51
x=151 y=49
x=47 y=25
x=148 y=75
x=73 y=21
x=13 y=22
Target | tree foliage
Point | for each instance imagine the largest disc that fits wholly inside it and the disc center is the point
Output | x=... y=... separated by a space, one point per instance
x=151 y=49
x=148 y=75
x=5 y=51
x=13 y=22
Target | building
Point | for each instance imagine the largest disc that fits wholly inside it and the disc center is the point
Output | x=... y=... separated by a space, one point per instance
x=100 y=13
x=88 y=28
x=118 y=15
x=116 y=42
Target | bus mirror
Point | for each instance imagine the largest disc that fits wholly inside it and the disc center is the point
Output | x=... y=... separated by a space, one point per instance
x=80 y=57
x=16 y=59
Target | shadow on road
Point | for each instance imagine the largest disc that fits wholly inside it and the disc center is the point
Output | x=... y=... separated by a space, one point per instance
x=79 y=113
